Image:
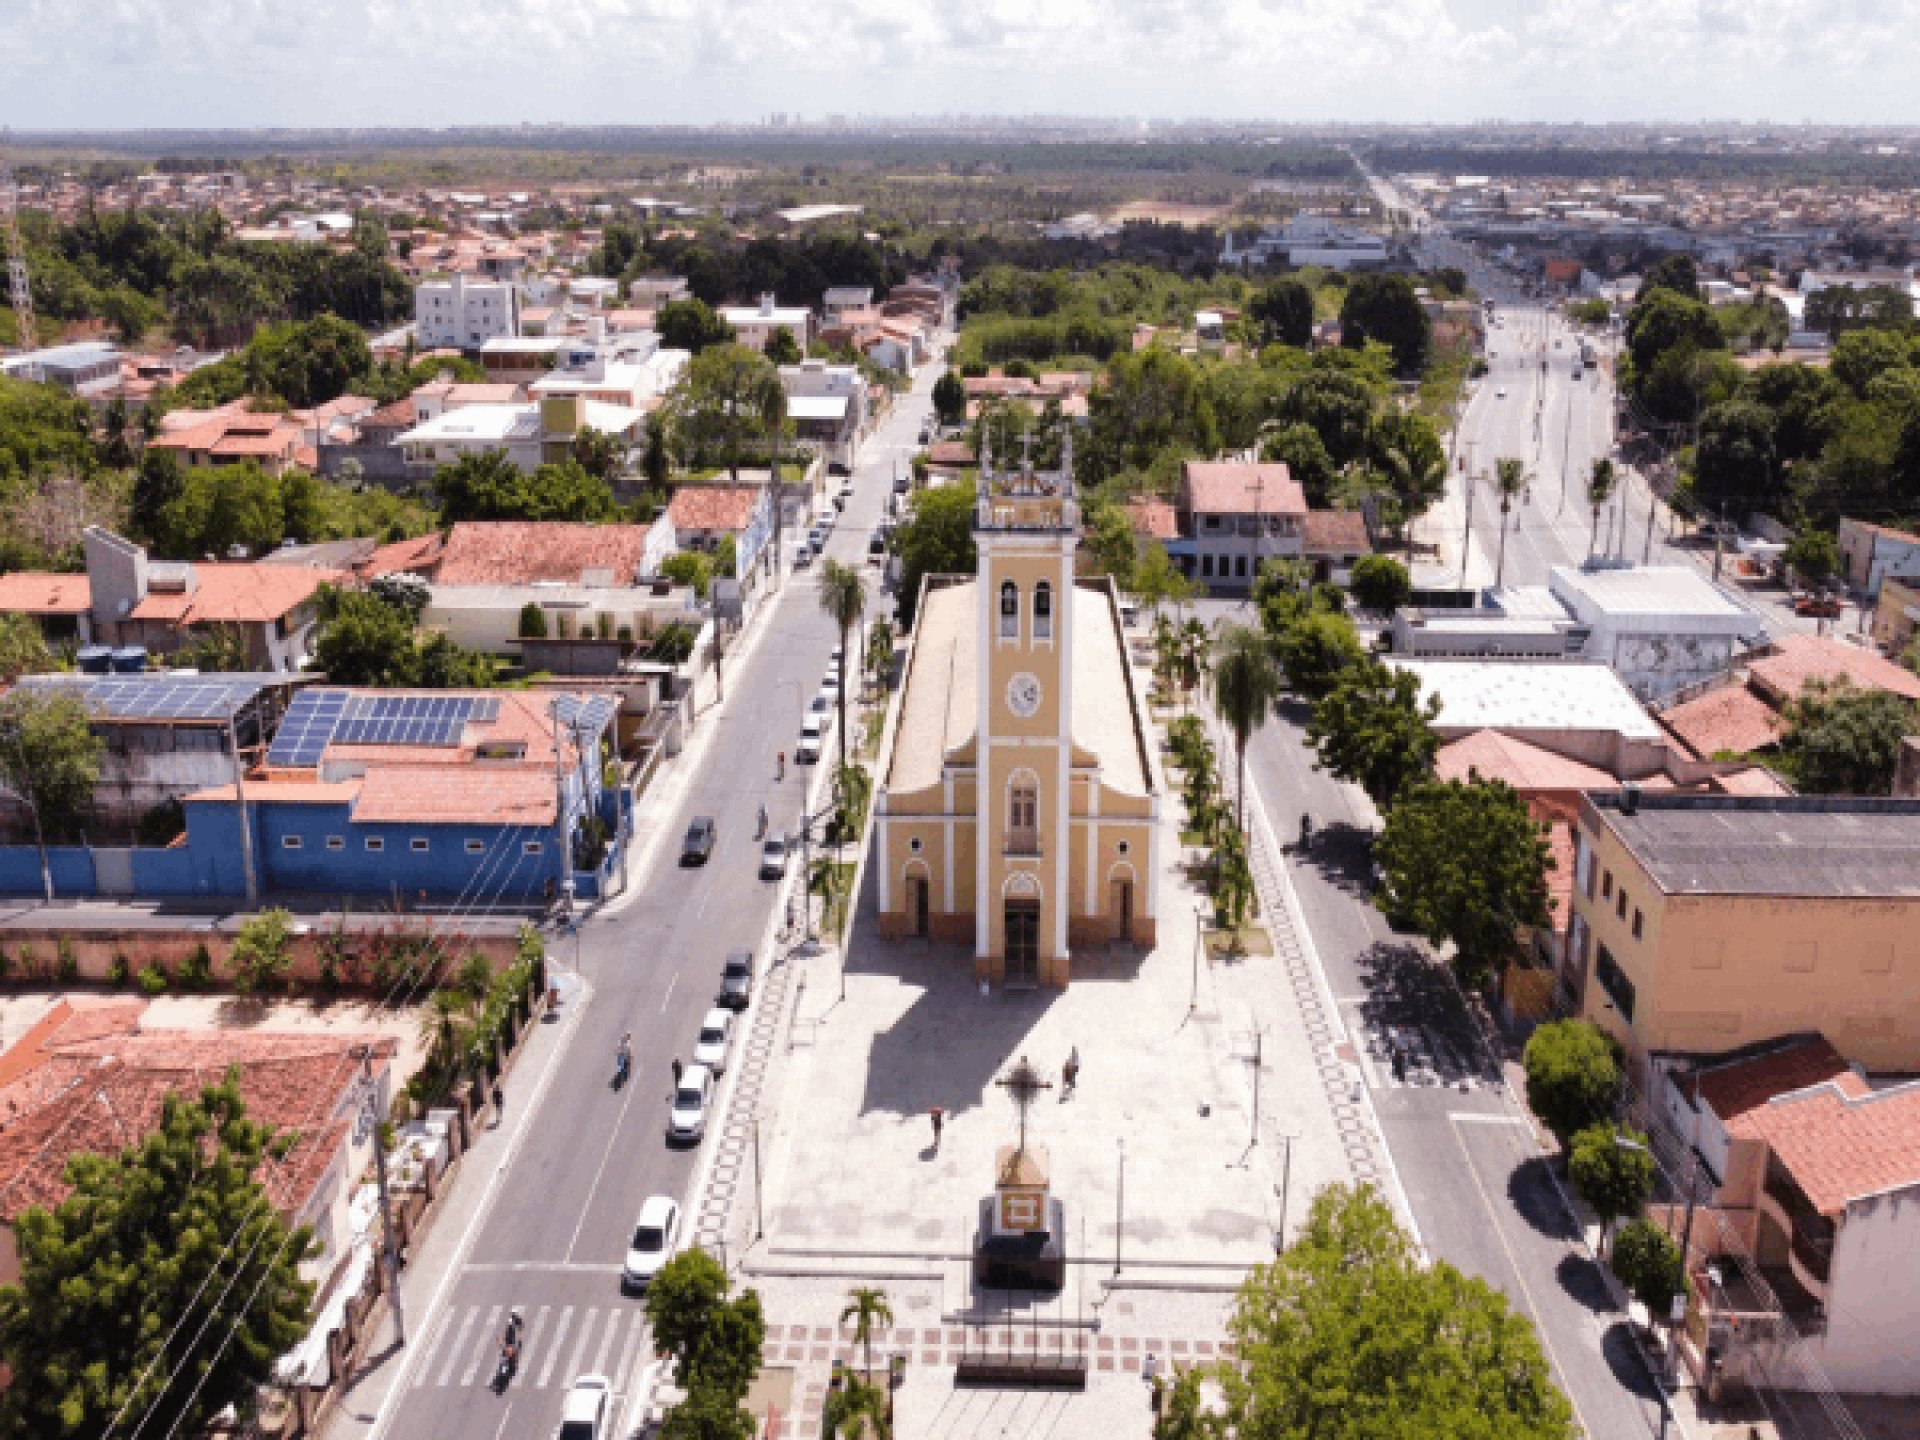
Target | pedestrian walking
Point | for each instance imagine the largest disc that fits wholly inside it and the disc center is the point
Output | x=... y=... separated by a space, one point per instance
x=1070 y=1073
x=499 y=1104
x=939 y=1118
x=780 y=766
x=676 y=1074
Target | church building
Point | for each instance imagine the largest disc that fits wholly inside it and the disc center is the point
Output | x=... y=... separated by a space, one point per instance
x=1020 y=802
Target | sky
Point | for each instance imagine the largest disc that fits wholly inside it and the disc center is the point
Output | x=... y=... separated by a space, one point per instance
x=113 y=64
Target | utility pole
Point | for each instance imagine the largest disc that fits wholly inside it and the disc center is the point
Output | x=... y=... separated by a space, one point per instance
x=240 y=802
x=365 y=1054
x=759 y=1216
x=1120 y=1205
x=1259 y=1049
x=1286 y=1179
x=560 y=803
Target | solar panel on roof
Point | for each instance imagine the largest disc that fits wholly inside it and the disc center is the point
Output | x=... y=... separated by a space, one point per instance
x=161 y=697
x=307 y=728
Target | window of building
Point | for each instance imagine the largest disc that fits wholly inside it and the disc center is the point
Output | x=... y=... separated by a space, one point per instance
x=1206 y=566
x=336 y=842
x=1614 y=981
x=376 y=844
x=291 y=842
x=532 y=847
x=419 y=845
x=914 y=845
x=1636 y=923
x=1009 y=611
x=1620 y=903
x=1240 y=566
x=1124 y=846
x=1606 y=886
x=1043 y=611
x=476 y=847
x=1023 y=817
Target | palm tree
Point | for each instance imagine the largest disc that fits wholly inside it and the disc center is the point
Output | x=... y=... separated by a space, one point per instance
x=772 y=401
x=1509 y=478
x=1415 y=479
x=843 y=595
x=1599 y=489
x=866 y=1306
x=1195 y=640
x=1246 y=684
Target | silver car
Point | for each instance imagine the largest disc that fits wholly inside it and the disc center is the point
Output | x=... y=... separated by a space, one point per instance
x=687 y=1117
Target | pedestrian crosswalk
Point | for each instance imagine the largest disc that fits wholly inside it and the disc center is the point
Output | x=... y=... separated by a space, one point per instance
x=560 y=1342
x=1412 y=1057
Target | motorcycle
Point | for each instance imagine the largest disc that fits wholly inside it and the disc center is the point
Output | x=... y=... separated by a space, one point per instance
x=503 y=1372
x=622 y=1068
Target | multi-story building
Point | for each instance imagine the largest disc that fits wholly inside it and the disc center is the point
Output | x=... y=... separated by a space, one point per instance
x=1020 y=807
x=1236 y=516
x=1702 y=923
x=1870 y=554
x=459 y=313
x=753 y=325
x=828 y=407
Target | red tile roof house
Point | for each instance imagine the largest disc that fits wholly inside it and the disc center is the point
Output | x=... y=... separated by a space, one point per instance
x=1740 y=718
x=1809 y=1184
x=90 y=1077
x=704 y=514
x=1237 y=515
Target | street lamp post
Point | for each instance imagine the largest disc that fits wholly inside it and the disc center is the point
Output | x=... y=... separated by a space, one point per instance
x=1120 y=1205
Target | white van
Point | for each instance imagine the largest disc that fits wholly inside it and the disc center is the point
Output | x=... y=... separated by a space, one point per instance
x=813 y=737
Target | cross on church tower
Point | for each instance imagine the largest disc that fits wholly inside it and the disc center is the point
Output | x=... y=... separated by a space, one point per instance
x=1024 y=1084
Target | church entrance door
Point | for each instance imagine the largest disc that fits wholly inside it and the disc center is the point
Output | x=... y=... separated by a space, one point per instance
x=1023 y=941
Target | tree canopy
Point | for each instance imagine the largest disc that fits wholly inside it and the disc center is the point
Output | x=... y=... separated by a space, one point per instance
x=1466 y=865
x=935 y=539
x=50 y=757
x=1573 y=1075
x=1385 y=308
x=1841 y=740
x=139 y=1249
x=491 y=487
x=1348 y=1335
x=364 y=639
x=1371 y=729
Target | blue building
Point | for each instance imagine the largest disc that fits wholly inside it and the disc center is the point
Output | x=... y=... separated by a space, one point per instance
x=443 y=797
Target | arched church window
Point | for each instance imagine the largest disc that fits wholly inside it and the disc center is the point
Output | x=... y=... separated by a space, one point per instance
x=1009 y=611
x=1043 y=611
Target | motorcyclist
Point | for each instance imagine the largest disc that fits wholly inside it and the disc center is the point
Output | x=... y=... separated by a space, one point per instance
x=623 y=1057
x=761 y=832
x=1306 y=831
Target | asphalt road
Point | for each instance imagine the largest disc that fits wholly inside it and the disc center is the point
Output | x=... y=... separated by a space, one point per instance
x=553 y=1240
x=1481 y=1197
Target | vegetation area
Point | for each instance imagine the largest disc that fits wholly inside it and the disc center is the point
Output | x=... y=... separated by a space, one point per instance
x=713 y=1340
x=1350 y=1335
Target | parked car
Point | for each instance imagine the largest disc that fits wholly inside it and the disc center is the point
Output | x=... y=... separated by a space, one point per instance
x=813 y=738
x=877 y=550
x=1824 y=607
x=655 y=1234
x=692 y=1098
x=802 y=555
x=736 y=980
x=716 y=1035
x=820 y=704
x=583 y=1415
x=830 y=684
x=926 y=434
x=773 y=858
x=697 y=848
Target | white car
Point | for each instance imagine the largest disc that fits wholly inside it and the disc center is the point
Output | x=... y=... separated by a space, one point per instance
x=1501 y=393
x=584 y=1415
x=773 y=858
x=813 y=738
x=803 y=553
x=655 y=1234
x=715 y=1040
x=687 y=1116
x=830 y=683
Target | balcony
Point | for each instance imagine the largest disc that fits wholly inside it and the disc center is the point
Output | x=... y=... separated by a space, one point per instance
x=1022 y=843
x=1809 y=1233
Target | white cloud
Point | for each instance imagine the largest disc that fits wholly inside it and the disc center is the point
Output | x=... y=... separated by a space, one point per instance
x=445 y=62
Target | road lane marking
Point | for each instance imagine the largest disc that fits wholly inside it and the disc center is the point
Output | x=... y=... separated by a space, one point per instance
x=1520 y=1277
x=553 y=1350
x=587 y=1322
x=614 y=1134
x=530 y=1345
x=630 y=1352
x=433 y=1346
x=459 y=1344
x=672 y=980
x=614 y=1317
x=1474 y=1117
x=472 y=1372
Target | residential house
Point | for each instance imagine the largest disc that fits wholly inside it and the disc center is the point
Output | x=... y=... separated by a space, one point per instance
x=1895 y=614
x=839 y=299
x=1236 y=515
x=61 y=604
x=530 y=434
x=1746 y=713
x=828 y=406
x=633 y=373
x=704 y=514
x=523 y=359
x=1871 y=553
x=1805 y=1181
x=1332 y=541
x=1702 y=923
x=753 y=324
x=460 y=313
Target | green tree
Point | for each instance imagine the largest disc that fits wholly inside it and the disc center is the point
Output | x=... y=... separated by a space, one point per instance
x=1676 y=274
x=879 y=654
x=843 y=596
x=1648 y=1263
x=1863 y=356
x=866 y=1307
x=533 y=622
x=1573 y=1076
x=708 y=1414
x=1110 y=541
x=223 y=507
x=1298 y=446
x=23 y=649
x=1385 y=308
x=262 y=952
x=1246 y=686
x=1380 y=583
x=950 y=399
x=361 y=641
x=689 y=567
x=1283 y=314
x=1612 y=1171
x=1837 y=309
x=935 y=539
x=1736 y=462
x=1371 y=729
x=490 y=486
x=691 y=325
x=656 y=461
x=1315 y=649
x=307 y=363
x=1509 y=481
x=1406 y=451
x=713 y=1339
x=719 y=404
x=1844 y=741
x=782 y=348
x=1600 y=483
x=1813 y=555
x=49 y=757
x=157 y=483
x=1338 y=406
x=162 y=1289
x=1350 y=1335
x=1466 y=865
